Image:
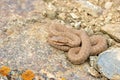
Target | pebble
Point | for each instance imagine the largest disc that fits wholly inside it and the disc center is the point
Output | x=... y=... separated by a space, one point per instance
x=74 y=15
x=93 y=60
x=90 y=8
x=108 y=5
x=89 y=30
x=51 y=7
x=62 y=16
x=109 y=63
x=51 y=14
x=93 y=72
x=77 y=25
x=108 y=18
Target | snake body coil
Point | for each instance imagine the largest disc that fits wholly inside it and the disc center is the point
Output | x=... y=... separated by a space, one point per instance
x=78 y=44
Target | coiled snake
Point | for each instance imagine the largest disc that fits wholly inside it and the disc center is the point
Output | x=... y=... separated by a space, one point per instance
x=78 y=44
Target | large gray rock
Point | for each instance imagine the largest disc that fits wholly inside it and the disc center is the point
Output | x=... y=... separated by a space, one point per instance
x=109 y=63
x=113 y=30
x=29 y=50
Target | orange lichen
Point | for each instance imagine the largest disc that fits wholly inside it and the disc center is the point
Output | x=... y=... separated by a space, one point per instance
x=4 y=70
x=63 y=79
x=28 y=75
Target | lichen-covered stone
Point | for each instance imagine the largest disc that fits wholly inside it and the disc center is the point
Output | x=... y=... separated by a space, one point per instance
x=109 y=63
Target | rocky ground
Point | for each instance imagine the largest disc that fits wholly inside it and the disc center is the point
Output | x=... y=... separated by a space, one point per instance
x=24 y=30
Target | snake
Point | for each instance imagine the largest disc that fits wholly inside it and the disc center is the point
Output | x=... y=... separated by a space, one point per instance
x=77 y=43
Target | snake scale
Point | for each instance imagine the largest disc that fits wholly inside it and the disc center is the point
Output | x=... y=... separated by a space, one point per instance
x=77 y=42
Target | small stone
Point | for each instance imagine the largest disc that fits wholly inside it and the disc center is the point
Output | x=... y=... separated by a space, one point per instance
x=62 y=16
x=101 y=18
x=109 y=63
x=108 y=18
x=77 y=25
x=89 y=30
x=93 y=72
x=93 y=60
x=51 y=7
x=108 y=5
x=51 y=14
x=74 y=15
x=72 y=24
x=9 y=32
x=90 y=8
x=111 y=42
x=113 y=30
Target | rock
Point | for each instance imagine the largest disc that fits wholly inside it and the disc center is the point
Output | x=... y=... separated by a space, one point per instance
x=93 y=61
x=73 y=15
x=89 y=30
x=51 y=14
x=113 y=30
x=77 y=25
x=30 y=49
x=109 y=63
x=90 y=8
x=108 y=5
x=110 y=41
x=93 y=72
x=93 y=69
x=62 y=16
x=108 y=18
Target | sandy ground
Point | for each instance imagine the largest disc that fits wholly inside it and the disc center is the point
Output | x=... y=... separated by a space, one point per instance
x=24 y=30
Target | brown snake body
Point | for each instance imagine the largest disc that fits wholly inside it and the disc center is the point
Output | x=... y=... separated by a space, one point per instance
x=78 y=44
x=84 y=51
x=61 y=33
x=98 y=44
